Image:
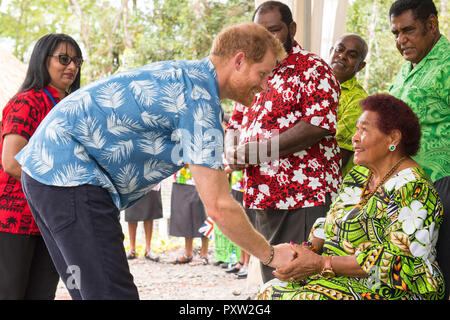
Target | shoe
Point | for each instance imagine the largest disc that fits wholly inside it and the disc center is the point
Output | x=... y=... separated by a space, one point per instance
x=204 y=260
x=131 y=255
x=182 y=260
x=200 y=261
x=234 y=268
x=242 y=274
x=151 y=255
x=224 y=265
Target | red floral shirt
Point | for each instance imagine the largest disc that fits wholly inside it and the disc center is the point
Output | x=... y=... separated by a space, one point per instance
x=302 y=87
x=22 y=115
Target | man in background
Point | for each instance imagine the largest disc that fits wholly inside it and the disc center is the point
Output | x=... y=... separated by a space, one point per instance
x=296 y=116
x=347 y=59
x=424 y=84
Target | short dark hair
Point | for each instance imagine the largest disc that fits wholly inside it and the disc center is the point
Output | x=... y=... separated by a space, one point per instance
x=37 y=76
x=394 y=114
x=285 y=11
x=421 y=9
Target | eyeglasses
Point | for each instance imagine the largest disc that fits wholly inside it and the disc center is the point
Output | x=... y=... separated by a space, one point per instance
x=65 y=60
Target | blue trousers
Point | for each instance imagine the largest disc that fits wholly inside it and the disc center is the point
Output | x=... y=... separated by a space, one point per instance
x=81 y=229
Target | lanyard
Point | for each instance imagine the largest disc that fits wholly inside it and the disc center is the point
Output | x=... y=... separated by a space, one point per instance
x=51 y=98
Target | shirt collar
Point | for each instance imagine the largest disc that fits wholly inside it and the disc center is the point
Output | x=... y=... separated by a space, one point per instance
x=292 y=56
x=439 y=51
x=53 y=92
x=349 y=84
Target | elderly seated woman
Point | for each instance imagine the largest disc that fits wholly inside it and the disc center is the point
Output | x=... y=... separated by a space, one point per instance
x=378 y=238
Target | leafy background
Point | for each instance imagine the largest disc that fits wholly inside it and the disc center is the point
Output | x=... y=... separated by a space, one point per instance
x=121 y=34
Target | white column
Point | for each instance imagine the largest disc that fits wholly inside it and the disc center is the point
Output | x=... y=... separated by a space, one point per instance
x=319 y=22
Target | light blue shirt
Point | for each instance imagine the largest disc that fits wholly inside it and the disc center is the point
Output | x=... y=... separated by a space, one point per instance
x=129 y=131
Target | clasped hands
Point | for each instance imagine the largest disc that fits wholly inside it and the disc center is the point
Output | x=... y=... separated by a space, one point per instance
x=294 y=262
x=240 y=156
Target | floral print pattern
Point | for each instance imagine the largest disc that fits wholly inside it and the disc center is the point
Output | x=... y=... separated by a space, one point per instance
x=393 y=238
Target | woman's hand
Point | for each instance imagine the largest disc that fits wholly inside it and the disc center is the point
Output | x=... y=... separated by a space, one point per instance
x=305 y=264
x=283 y=255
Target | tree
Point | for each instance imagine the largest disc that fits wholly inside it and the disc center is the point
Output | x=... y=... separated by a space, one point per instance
x=116 y=35
x=27 y=20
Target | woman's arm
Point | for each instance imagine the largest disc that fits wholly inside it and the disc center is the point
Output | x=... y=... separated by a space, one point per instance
x=12 y=144
x=307 y=263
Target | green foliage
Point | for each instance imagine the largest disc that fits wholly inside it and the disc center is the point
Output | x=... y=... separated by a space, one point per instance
x=183 y=29
x=27 y=20
x=115 y=37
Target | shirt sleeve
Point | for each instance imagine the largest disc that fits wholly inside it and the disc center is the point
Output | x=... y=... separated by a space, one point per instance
x=405 y=258
x=319 y=98
x=21 y=116
x=349 y=112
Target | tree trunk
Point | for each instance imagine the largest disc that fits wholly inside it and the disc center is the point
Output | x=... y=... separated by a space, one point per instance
x=371 y=35
x=84 y=32
x=126 y=35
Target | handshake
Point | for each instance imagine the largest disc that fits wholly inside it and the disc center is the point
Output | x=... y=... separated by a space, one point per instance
x=294 y=262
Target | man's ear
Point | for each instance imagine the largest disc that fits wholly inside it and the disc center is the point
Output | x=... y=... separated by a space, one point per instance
x=361 y=66
x=293 y=29
x=432 y=23
x=239 y=60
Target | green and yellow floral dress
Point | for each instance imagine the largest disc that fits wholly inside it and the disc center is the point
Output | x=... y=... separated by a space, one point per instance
x=393 y=238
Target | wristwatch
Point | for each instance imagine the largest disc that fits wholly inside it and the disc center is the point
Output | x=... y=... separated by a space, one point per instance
x=327 y=271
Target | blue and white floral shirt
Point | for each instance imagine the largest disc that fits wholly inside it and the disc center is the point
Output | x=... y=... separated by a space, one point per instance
x=129 y=131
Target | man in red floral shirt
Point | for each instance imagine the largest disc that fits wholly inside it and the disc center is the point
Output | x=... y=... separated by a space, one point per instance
x=296 y=119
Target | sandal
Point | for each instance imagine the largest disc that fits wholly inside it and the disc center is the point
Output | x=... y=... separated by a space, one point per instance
x=204 y=260
x=201 y=261
x=131 y=255
x=234 y=268
x=182 y=260
x=151 y=255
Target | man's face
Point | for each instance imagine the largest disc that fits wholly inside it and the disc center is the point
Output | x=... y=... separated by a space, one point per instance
x=271 y=20
x=251 y=78
x=413 y=38
x=346 y=57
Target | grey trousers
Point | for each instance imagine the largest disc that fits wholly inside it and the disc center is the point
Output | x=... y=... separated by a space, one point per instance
x=284 y=226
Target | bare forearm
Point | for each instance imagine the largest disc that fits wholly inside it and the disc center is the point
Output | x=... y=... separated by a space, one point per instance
x=234 y=224
x=307 y=263
x=14 y=171
x=12 y=144
x=214 y=190
x=300 y=137
x=347 y=266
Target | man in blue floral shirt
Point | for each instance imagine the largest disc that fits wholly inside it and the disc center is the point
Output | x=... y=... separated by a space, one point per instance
x=109 y=143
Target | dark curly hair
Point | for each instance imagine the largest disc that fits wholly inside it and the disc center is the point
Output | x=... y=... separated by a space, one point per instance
x=421 y=9
x=394 y=114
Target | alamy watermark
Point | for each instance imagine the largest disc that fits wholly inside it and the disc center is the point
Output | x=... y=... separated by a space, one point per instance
x=208 y=146
x=74 y=278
